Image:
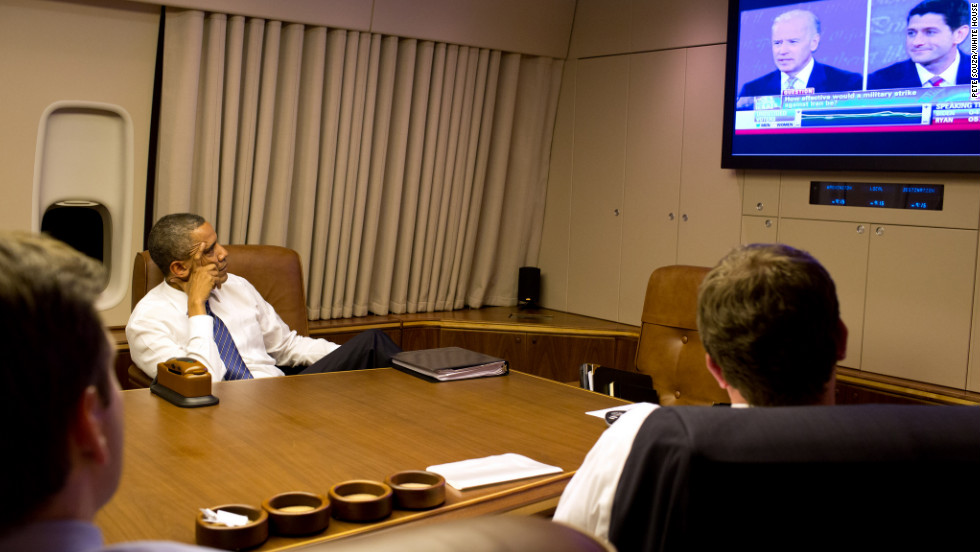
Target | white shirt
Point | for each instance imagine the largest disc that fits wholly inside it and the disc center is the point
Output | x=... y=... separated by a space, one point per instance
x=948 y=76
x=802 y=77
x=159 y=329
x=587 y=501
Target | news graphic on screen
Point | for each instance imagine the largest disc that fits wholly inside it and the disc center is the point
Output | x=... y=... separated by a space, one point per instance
x=853 y=84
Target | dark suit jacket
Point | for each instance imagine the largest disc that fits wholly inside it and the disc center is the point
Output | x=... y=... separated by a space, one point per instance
x=866 y=477
x=824 y=78
x=904 y=75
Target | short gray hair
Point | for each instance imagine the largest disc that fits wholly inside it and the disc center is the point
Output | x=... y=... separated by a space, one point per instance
x=792 y=14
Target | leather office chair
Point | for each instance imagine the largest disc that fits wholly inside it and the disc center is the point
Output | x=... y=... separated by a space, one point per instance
x=504 y=533
x=670 y=349
x=276 y=272
x=857 y=477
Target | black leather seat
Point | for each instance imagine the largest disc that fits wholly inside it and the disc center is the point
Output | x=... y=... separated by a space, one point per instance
x=833 y=477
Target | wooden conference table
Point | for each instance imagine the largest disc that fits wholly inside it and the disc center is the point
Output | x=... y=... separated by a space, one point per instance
x=308 y=433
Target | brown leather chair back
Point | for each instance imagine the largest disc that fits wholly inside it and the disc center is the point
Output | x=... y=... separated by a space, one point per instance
x=276 y=272
x=503 y=533
x=670 y=349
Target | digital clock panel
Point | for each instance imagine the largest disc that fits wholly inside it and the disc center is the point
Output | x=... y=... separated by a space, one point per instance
x=923 y=197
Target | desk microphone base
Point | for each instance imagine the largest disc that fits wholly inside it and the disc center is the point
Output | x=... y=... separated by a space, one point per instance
x=176 y=398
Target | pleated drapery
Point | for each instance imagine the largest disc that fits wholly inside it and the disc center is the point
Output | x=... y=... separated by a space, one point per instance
x=409 y=175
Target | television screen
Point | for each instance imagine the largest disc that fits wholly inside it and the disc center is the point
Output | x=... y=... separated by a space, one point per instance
x=852 y=85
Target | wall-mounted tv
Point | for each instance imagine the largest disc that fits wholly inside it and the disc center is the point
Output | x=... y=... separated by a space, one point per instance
x=852 y=85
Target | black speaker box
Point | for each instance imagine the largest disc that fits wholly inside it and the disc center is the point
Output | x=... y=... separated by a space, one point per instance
x=528 y=287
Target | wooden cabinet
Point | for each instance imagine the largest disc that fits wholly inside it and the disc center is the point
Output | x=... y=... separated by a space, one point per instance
x=759 y=229
x=709 y=195
x=906 y=294
x=842 y=248
x=546 y=343
x=596 y=202
x=919 y=303
x=905 y=279
x=641 y=195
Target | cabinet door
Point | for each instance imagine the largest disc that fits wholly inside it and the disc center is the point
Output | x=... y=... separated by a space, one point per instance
x=842 y=248
x=711 y=204
x=759 y=229
x=417 y=338
x=653 y=174
x=919 y=303
x=506 y=345
x=598 y=165
x=760 y=193
x=558 y=357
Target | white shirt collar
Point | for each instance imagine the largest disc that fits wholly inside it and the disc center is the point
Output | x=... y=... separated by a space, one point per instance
x=803 y=76
x=948 y=76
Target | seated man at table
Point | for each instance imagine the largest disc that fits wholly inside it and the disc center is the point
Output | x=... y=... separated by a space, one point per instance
x=200 y=311
x=64 y=433
x=769 y=319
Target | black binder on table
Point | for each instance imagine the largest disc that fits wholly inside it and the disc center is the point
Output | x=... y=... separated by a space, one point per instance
x=450 y=363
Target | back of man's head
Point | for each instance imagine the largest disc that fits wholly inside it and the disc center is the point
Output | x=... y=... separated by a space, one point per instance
x=55 y=348
x=170 y=239
x=955 y=12
x=769 y=317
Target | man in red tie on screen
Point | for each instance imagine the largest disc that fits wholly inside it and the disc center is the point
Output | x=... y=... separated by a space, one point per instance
x=934 y=30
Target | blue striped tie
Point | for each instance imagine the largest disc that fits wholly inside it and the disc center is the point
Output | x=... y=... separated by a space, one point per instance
x=236 y=369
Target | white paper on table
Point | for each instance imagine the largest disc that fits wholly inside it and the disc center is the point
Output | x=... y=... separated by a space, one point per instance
x=477 y=472
x=623 y=407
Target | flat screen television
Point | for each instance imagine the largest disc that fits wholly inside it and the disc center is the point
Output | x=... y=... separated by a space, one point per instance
x=851 y=113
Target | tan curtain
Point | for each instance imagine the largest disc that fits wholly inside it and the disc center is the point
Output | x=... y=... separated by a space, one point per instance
x=409 y=175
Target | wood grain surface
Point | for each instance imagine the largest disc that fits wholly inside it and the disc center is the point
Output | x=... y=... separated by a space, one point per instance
x=307 y=433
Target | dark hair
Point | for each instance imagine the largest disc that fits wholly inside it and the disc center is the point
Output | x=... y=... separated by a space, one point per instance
x=55 y=347
x=768 y=316
x=955 y=12
x=170 y=239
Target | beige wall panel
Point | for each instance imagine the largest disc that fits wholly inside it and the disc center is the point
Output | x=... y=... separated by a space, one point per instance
x=541 y=27
x=842 y=248
x=657 y=25
x=711 y=200
x=51 y=51
x=760 y=193
x=344 y=14
x=759 y=229
x=553 y=258
x=973 y=367
x=598 y=166
x=653 y=174
x=601 y=27
x=919 y=303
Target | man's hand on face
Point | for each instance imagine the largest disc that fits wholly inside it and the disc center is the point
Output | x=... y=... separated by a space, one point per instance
x=204 y=277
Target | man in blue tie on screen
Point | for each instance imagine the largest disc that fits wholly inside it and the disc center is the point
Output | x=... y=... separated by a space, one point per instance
x=202 y=312
x=795 y=37
x=934 y=30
